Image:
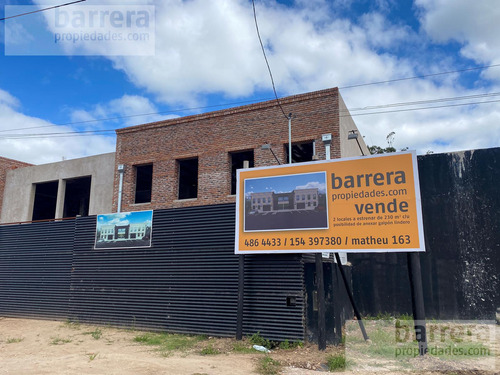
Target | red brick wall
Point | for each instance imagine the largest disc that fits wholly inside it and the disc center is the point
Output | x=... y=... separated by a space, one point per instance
x=6 y=165
x=211 y=136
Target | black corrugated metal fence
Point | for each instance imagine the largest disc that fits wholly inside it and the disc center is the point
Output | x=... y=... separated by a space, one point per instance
x=186 y=282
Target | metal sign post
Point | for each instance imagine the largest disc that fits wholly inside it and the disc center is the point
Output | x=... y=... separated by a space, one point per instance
x=367 y=204
x=417 y=301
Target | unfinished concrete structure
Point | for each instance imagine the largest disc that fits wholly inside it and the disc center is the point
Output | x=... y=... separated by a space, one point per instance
x=64 y=189
x=188 y=161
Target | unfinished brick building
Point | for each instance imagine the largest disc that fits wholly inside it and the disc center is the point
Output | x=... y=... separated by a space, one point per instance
x=192 y=161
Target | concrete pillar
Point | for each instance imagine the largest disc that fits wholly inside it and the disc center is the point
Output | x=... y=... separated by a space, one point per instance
x=61 y=192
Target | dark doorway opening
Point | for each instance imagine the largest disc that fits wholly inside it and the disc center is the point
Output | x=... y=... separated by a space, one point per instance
x=143 y=183
x=188 y=178
x=77 y=197
x=301 y=152
x=237 y=159
x=44 y=205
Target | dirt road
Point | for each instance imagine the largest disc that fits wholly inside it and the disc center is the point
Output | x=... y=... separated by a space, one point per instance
x=29 y=347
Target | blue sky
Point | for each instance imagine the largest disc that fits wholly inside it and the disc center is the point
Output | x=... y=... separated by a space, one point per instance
x=286 y=184
x=208 y=57
x=126 y=218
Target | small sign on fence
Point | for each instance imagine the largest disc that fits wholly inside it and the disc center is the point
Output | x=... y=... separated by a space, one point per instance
x=124 y=230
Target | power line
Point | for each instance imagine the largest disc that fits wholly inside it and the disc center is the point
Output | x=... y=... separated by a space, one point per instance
x=264 y=99
x=138 y=115
x=93 y=132
x=429 y=101
x=41 y=10
x=382 y=106
x=422 y=108
x=265 y=57
x=422 y=76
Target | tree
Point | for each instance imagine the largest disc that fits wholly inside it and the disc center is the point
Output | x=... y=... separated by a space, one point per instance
x=379 y=150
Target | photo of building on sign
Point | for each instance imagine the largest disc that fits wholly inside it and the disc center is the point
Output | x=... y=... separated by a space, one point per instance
x=289 y=202
x=125 y=229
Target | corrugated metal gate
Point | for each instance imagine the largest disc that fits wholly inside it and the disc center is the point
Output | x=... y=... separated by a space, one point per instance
x=186 y=282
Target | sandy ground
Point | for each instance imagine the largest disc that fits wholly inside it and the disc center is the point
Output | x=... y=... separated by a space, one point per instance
x=49 y=347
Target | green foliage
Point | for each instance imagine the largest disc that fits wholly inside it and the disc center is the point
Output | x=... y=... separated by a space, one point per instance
x=167 y=342
x=379 y=316
x=210 y=350
x=257 y=339
x=285 y=345
x=379 y=150
x=96 y=334
x=14 y=340
x=336 y=362
x=238 y=347
x=404 y=317
x=73 y=324
x=268 y=366
x=59 y=341
x=92 y=356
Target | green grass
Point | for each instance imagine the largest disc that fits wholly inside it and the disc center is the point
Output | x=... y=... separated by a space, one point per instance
x=210 y=350
x=388 y=316
x=336 y=363
x=257 y=339
x=92 y=356
x=379 y=316
x=59 y=341
x=167 y=342
x=239 y=347
x=286 y=345
x=395 y=344
x=73 y=324
x=96 y=333
x=268 y=366
x=14 y=340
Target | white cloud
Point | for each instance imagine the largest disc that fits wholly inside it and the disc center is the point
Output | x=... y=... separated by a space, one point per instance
x=474 y=24
x=313 y=185
x=211 y=48
x=42 y=150
x=125 y=111
x=119 y=222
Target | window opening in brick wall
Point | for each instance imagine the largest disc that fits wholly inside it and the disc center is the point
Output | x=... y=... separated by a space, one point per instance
x=237 y=159
x=188 y=178
x=143 y=183
x=77 y=197
x=301 y=152
x=44 y=205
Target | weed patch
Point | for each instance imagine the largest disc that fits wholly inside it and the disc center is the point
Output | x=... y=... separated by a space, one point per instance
x=210 y=350
x=59 y=341
x=243 y=349
x=257 y=339
x=166 y=342
x=268 y=366
x=73 y=324
x=14 y=340
x=96 y=334
x=336 y=363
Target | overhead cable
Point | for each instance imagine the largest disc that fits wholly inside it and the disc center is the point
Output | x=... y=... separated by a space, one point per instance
x=42 y=10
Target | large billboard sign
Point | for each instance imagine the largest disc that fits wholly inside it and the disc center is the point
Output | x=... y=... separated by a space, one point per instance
x=362 y=204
